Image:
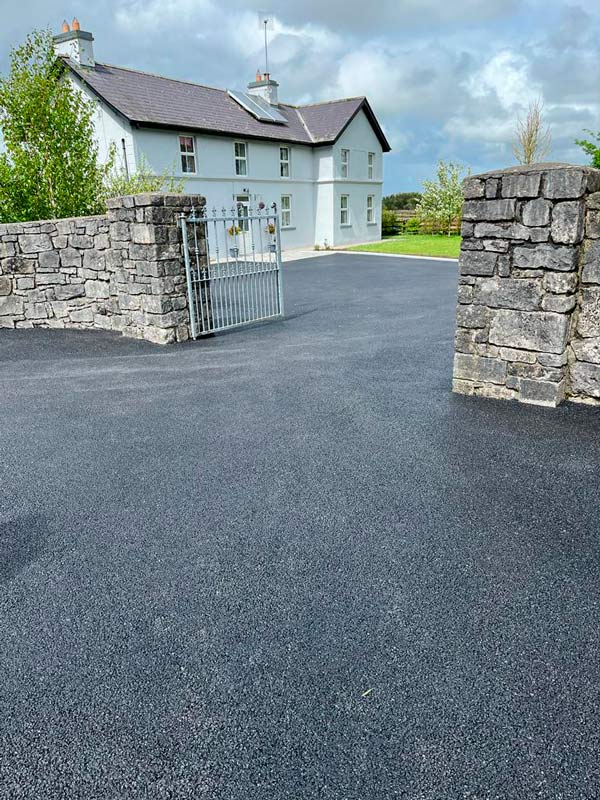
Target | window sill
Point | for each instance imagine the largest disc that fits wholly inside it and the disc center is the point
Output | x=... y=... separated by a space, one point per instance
x=345 y=224
x=288 y=227
x=372 y=223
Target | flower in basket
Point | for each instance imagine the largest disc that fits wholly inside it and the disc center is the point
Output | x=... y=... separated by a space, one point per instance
x=234 y=230
x=261 y=205
x=270 y=228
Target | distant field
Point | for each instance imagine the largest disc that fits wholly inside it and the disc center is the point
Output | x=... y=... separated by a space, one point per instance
x=417 y=245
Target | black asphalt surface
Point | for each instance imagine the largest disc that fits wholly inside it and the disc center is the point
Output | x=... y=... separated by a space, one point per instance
x=287 y=563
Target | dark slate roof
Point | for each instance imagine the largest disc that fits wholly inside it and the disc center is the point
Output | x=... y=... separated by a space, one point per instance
x=150 y=100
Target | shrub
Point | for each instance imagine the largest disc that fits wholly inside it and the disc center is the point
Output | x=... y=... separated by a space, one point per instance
x=141 y=181
x=412 y=225
x=389 y=223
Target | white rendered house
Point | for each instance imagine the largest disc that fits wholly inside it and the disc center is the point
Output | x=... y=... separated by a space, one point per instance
x=322 y=163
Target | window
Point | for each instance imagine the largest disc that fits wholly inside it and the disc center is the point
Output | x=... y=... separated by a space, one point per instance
x=284 y=162
x=344 y=209
x=370 y=208
x=241 y=158
x=286 y=210
x=187 y=151
x=345 y=161
x=371 y=166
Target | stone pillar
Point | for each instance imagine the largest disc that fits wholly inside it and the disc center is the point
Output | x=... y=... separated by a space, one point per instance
x=520 y=265
x=148 y=283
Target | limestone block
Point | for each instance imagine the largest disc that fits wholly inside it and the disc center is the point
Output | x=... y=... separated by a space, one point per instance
x=553 y=359
x=567 y=222
x=585 y=379
x=524 y=185
x=536 y=213
x=156 y=304
x=7 y=249
x=36 y=311
x=565 y=184
x=541 y=331
x=496 y=245
x=591 y=262
x=25 y=283
x=546 y=256
x=5 y=285
x=588 y=320
x=560 y=282
x=491 y=188
x=472 y=316
x=522 y=294
x=70 y=257
x=519 y=356
x=97 y=289
x=69 y=291
x=49 y=278
x=11 y=306
x=149 y=234
x=80 y=241
x=477 y=263
x=465 y=294
x=501 y=230
x=479 y=369
x=94 y=260
x=539 y=234
x=541 y=393
x=48 y=261
x=560 y=303
x=82 y=315
x=593 y=201
x=490 y=210
x=34 y=242
x=587 y=349
x=160 y=335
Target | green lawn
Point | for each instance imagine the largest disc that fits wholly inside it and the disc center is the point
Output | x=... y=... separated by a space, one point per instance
x=415 y=244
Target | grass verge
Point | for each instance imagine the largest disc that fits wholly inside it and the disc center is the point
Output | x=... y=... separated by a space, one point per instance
x=415 y=245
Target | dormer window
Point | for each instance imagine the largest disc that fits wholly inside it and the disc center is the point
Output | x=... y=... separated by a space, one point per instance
x=187 y=151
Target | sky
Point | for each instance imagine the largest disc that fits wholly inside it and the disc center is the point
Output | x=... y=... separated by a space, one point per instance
x=447 y=80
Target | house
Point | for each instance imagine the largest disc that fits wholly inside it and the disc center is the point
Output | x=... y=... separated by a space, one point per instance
x=321 y=163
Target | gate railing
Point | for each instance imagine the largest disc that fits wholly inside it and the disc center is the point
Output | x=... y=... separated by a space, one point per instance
x=233 y=267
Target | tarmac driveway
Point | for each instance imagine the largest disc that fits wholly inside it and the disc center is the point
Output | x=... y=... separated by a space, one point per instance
x=287 y=563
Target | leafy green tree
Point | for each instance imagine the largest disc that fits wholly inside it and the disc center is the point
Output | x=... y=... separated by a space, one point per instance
x=442 y=199
x=143 y=180
x=50 y=168
x=591 y=148
x=401 y=201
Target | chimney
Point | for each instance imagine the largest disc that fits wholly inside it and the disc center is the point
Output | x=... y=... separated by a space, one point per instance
x=76 y=44
x=265 y=87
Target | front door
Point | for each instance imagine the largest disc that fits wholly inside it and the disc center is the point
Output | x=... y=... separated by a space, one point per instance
x=242 y=204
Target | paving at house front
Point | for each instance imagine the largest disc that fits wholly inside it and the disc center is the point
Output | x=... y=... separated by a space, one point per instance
x=287 y=562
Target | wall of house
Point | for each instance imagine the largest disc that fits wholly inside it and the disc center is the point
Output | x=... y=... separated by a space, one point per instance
x=528 y=318
x=122 y=271
x=359 y=137
x=216 y=179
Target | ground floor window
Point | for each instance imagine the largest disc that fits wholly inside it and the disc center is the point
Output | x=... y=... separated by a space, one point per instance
x=286 y=210
x=370 y=208
x=344 y=218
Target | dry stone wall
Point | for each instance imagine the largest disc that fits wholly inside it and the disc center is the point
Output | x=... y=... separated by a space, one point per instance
x=122 y=271
x=528 y=318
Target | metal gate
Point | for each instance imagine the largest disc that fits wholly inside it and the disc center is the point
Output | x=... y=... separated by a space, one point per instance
x=233 y=267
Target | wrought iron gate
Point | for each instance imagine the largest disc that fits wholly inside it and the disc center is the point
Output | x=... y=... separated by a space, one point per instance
x=233 y=267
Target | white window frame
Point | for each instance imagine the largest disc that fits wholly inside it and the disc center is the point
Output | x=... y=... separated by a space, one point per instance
x=344 y=162
x=371 y=166
x=371 y=209
x=238 y=160
x=344 y=209
x=286 y=213
x=187 y=154
x=285 y=164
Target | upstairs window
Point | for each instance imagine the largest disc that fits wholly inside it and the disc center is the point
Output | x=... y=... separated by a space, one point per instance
x=286 y=210
x=344 y=218
x=241 y=158
x=284 y=162
x=187 y=152
x=371 y=166
x=370 y=208
x=345 y=160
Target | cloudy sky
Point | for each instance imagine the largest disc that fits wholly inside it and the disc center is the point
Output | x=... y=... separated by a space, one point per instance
x=447 y=80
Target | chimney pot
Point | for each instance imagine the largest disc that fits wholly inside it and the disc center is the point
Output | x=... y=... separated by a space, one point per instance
x=75 y=24
x=65 y=26
x=258 y=75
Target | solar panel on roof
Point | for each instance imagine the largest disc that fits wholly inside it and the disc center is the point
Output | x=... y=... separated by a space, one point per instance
x=258 y=107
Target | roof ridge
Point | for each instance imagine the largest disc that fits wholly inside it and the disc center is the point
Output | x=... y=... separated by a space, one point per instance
x=331 y=102
x=162 y=77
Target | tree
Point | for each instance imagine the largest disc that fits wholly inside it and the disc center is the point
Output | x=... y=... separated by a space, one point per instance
x=591 y=148
x=401 y=201
x=142 y=180
x=50 y=168
x=441 y=202
x=532 y=140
